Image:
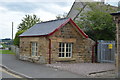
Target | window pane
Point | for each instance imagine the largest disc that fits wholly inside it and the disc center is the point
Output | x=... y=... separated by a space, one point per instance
x=69 y=49
x=60 y=44
x=59 y=54
x=67 y=44
x=33 y=44
x=66 y=49
x=32 y=53
x=62 y=55
x=67 y=55
x=34 y=48
x=63 y=49
x=70 y=45
x=60 y=49
x=36 y=44
x=63 y=44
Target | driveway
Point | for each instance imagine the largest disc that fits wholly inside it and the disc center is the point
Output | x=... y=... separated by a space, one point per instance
x=35 y=70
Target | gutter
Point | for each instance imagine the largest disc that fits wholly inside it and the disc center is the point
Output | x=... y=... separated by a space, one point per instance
x=93 y=52
x=49 y=51
x=93 y=57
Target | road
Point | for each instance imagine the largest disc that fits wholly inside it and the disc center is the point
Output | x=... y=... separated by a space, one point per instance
x=6 y=74
x=34 y=70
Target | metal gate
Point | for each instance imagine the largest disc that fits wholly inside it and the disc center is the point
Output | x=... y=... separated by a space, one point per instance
x=106 y=51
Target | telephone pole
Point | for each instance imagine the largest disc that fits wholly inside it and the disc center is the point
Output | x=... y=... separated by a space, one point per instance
x=116 y=17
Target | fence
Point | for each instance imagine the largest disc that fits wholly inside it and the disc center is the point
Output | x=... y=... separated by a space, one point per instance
x=106 y=51
x=15 y=49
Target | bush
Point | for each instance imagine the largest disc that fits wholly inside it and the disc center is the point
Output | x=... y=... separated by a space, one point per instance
x=17 y=38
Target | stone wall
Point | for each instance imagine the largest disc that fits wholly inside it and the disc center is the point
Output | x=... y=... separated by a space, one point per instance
x=15 y=49
x=25 y=48
x=82 y=47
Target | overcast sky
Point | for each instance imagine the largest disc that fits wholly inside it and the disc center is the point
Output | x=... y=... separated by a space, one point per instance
x=15 y=10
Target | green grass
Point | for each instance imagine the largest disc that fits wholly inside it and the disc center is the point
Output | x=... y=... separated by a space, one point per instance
x=6 y=52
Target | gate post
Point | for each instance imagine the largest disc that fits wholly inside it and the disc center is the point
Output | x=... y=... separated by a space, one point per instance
x=116 y=17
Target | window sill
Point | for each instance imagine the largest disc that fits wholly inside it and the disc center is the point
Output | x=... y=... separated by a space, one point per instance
x=65 y=59
x=34 y=57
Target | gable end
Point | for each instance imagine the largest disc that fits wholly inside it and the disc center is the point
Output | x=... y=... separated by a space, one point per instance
x=74 y=25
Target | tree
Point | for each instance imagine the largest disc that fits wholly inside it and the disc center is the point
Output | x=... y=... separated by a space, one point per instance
x=98 y=22
x=27 y=22
x=17 y=38
x=59 y=16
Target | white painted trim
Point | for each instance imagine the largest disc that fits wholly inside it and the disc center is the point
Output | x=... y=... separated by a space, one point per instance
x=36 y=51
x=65 y=50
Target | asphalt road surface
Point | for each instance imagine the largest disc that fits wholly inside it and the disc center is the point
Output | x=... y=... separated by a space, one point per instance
x=6 y=74
x=34 y=70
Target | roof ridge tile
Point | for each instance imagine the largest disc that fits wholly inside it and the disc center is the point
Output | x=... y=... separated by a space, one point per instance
x=53 y=20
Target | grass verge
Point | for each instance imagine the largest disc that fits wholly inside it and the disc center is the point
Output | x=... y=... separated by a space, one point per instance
x=6 y=52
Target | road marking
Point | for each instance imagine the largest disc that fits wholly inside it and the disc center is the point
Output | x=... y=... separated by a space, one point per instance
x=16 y=76
x=13 y=71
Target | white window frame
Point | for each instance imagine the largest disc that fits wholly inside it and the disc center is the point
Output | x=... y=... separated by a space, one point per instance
x=34 y=46
x=67 y=54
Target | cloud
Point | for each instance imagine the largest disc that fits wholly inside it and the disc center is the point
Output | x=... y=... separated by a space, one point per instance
x=14 y=12
x=7 y=17
x=21 y=6
x=44 y=15
x=37 y=0
x=54 y=8
x=30 y=6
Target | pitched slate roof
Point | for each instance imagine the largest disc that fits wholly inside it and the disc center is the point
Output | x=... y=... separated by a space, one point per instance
x=80 y=7
x=74 y=12
x=48 y=28
x=44 y=28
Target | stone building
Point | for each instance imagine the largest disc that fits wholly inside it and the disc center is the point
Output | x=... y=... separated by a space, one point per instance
x=56 y=41
x=116 y=17
x=80 y=7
